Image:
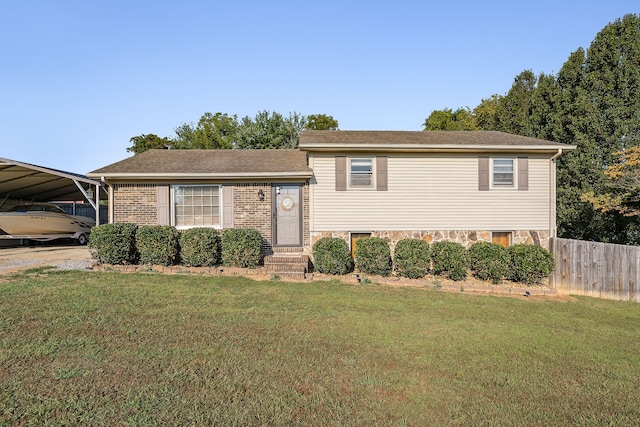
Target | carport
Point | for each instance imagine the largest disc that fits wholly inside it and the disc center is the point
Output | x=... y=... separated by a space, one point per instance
x=23 y=182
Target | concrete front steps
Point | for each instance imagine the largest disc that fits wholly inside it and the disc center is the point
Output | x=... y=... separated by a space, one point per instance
x=287 y=263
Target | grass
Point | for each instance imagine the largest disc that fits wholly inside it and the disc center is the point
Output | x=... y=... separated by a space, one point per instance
x=80 y=348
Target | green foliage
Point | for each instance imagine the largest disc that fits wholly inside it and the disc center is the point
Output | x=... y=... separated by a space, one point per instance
x=461 y=119
x=412 y=258
x=223 y=131
x=241 y=247
x=529 y=263
x=213 y=131
x=270 y=130
x=150 y=141
x=200 y=247
x=321 y=122
x=489 y=261
x=450 y=259
x=373 y=256
x=158 y=244
x=114 y=243
x=331 y=255
x=622 y=187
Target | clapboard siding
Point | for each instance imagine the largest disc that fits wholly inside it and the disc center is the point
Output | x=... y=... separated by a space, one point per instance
x=430 y=191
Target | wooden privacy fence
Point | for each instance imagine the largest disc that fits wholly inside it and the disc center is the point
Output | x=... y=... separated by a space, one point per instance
x=601 y=270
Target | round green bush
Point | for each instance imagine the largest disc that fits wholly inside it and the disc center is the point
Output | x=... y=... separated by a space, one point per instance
x=114 y=243
x=412 y=258
x=450 y=259
x=158 y=244
x=200 y=247
x=530 y=263
x=489 y=261
x=241 y=247
x=373 y=256
x=331 y=255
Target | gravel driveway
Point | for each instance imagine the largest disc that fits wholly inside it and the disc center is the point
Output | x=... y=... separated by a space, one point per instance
x=66 y=257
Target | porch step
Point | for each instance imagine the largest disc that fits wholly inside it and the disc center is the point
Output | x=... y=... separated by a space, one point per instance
x=289 y=265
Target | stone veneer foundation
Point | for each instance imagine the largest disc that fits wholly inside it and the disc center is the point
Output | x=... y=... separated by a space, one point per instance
x=464 y=237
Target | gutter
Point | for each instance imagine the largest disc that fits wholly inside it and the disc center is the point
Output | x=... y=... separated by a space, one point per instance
x=331 y=147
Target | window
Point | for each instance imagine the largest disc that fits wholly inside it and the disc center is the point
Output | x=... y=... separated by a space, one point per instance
x=503 y=172
x=196 y=206
x=500 y=173
x=503 y=238
x=361 y=173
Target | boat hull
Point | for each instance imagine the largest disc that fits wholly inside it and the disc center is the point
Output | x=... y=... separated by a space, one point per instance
x=43 y=223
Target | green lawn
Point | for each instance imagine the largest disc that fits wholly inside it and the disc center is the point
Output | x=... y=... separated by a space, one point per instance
x=88 y=348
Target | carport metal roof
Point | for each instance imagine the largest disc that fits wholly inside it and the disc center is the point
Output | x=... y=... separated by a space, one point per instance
x=27 y=182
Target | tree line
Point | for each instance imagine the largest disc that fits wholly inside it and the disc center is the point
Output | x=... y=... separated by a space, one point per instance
x=223 y=131
x=593 y=102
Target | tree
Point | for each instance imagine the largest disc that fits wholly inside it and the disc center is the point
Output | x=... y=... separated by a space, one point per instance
x=485 y=113
x=146 y=142
x=603 y=120
x=515 y=110
x=213 y=131
x=623 y=186
x=447 y=119
x=270 y=130
x=321 y=122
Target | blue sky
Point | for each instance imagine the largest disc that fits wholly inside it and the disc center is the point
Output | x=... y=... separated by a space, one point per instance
x=80 y=78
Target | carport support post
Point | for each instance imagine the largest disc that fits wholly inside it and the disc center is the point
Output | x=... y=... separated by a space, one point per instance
x=97 y=204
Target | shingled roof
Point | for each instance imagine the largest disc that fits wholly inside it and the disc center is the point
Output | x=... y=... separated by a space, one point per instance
x=221 y=164
x=424 y=141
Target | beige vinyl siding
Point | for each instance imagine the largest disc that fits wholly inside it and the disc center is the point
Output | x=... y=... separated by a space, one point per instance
x=430 y=191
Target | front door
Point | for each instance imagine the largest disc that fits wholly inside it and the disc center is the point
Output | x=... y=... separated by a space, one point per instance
x=288 y=214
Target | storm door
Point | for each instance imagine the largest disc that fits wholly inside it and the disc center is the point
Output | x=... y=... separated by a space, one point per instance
x=288 y=215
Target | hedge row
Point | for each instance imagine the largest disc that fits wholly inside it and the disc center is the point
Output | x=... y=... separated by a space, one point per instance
x=415 y=258
x=164 y=245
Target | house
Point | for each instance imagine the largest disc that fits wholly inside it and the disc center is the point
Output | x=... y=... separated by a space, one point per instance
x=460 y=186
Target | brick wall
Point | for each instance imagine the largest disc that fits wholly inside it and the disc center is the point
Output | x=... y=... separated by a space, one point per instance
x=250 y=212
x=135 y=203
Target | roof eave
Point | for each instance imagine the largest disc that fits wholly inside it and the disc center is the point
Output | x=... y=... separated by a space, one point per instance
x=204 y=176
x=419 y=148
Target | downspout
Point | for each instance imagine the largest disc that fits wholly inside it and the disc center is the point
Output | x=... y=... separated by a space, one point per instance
x=552 y=195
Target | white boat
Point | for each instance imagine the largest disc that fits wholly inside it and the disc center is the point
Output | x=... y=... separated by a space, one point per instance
x=44 y=221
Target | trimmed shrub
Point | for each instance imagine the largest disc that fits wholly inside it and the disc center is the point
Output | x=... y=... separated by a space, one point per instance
x=200 y=247
x=241 y=247
x=530 y=263
x=373 y=256
x=331 y=255
x=158 y=244
x=449 y=259
x=489 y=261
x=412 y=258
x=114 y=243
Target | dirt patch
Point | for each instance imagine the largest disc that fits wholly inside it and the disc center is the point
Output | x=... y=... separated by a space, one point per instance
x=14 y=259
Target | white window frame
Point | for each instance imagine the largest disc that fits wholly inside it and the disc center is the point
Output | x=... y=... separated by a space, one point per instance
x=350 y=173
x=514 y=173
x=174 y=210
